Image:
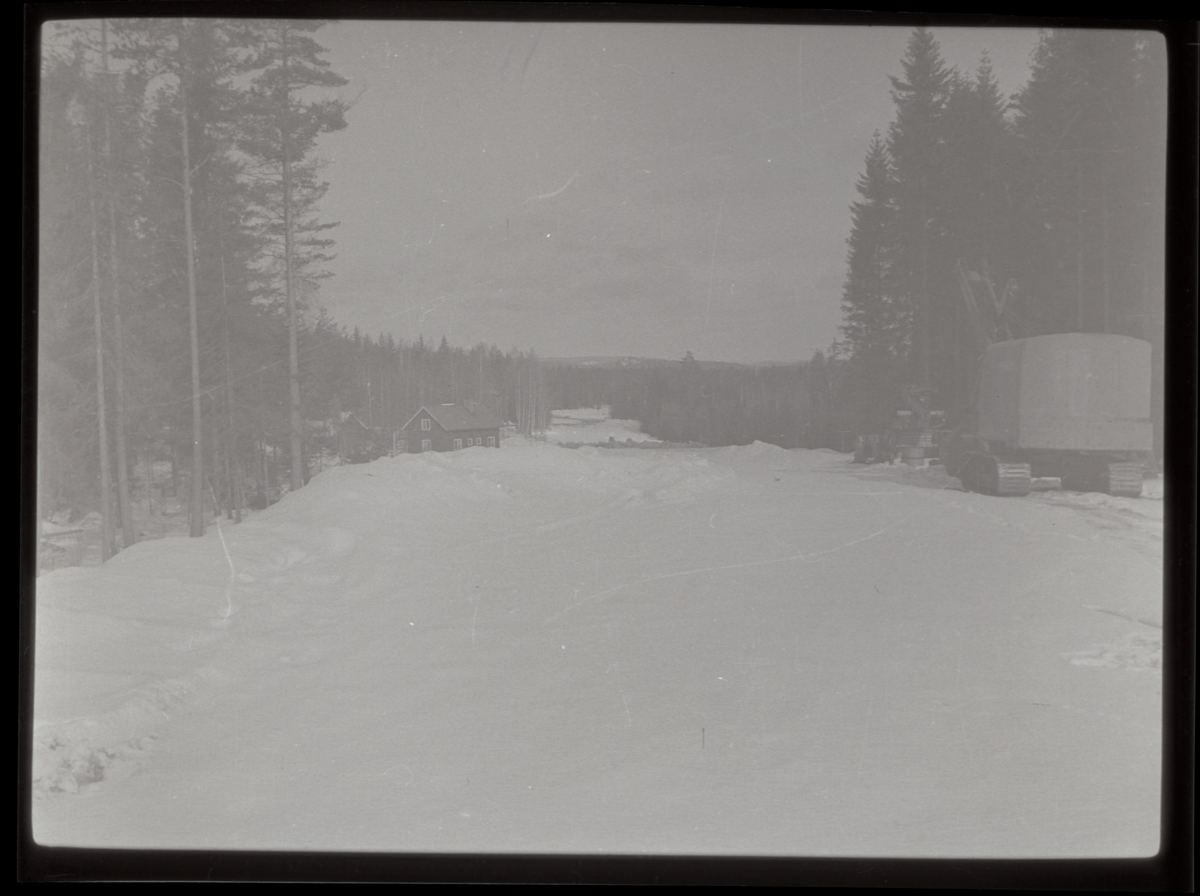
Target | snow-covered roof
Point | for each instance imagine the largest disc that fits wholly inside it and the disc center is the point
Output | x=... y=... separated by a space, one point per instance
x=454 y=417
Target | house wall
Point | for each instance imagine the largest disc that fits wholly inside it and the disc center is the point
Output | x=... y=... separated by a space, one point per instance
x=476 y=434
x=441 y=439
x=351 y=441
x=413 y=434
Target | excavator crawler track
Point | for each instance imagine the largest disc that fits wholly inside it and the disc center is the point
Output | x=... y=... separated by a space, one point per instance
x=1125 y=479
x=1094 y=475
x=990 y=475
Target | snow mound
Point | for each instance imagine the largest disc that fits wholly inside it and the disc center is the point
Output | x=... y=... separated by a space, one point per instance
x=764 y=449
x=596 y=432
x=71 y=756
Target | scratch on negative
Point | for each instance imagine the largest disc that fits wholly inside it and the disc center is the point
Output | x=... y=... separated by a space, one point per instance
x=406 y=768
x=556 y=192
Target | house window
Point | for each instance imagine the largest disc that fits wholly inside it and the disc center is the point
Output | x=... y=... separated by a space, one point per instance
x=425 y=424
x=426 y=444
x=457 y=444
x=491 y=441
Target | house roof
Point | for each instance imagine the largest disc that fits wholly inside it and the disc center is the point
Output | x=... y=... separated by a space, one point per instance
x=453 y=417
x=351 y=416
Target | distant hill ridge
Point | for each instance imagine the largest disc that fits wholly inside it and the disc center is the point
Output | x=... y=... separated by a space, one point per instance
x=609 y=362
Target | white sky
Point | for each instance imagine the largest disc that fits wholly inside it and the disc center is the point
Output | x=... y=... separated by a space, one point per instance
x=610 y=188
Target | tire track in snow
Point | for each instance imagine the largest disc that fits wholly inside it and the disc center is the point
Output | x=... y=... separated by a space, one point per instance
x=802 y=557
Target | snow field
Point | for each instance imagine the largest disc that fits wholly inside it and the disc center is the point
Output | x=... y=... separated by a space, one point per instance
x=739 y=650
x=127 y=594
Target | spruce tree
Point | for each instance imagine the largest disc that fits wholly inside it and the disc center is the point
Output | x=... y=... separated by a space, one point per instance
x=875 y=327
x=917 y=147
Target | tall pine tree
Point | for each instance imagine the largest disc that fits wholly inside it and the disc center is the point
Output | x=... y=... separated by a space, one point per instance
x=279 y=134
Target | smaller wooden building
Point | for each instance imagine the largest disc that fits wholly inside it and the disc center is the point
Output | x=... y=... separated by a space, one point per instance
x=449 y=427
x=356 y=442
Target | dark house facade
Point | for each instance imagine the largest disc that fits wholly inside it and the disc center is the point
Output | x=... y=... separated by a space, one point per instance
x=357 y=443
x=448 y=427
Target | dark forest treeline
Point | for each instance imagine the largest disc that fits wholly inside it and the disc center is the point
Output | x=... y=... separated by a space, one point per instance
x=983 y=218
x=791 y=405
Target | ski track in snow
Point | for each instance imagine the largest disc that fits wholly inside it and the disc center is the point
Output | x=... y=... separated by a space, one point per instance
x=256 y=600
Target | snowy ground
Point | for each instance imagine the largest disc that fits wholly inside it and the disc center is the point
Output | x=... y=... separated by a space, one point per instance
x=536 y=649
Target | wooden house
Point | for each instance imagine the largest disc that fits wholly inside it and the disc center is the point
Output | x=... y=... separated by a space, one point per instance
x=449 y=427
x=356 y=442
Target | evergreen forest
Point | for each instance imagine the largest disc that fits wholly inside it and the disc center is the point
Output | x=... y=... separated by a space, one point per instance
x=182 y=356
x=983 y=218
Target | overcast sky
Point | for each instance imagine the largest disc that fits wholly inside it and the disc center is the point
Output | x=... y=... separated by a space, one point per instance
x=610 y=188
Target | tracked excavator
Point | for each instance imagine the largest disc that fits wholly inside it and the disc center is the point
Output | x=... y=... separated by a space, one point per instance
x=1069 y=406
x=1075 y=406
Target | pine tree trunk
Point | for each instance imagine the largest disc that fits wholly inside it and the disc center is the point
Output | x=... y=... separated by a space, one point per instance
x=231 y=435
x=1080 y=325
x=128 y=533
x=297 y=477
x=923 y=309
x=264 y=483
x=196 y=508
x=1105 y=272
x=106 y=522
